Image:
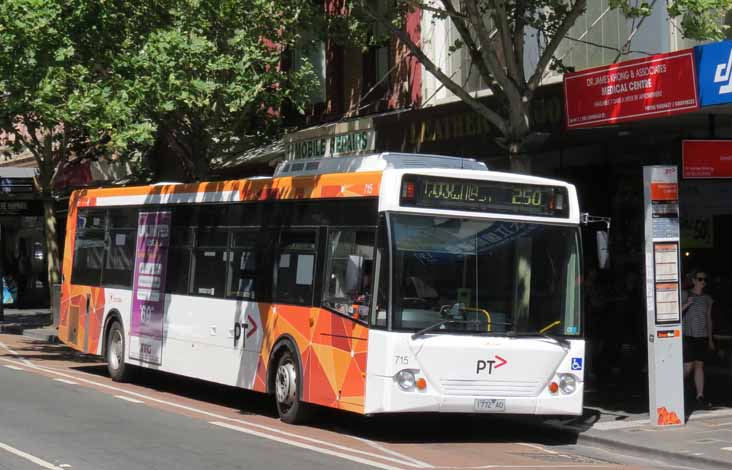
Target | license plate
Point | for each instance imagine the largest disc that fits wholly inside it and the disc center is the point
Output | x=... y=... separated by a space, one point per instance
x=495 y=405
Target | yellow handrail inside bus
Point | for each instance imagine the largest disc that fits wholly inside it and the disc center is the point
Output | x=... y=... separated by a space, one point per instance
x=550 y=326
x=484 y=312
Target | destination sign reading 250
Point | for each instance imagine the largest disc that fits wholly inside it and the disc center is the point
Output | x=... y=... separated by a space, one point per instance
x=484 y=196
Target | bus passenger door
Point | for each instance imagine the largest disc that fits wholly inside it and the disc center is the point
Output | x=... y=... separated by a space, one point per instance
x=245 y=257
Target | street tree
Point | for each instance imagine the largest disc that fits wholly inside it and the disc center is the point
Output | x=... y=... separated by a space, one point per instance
x=82 y=79
x=495 y=34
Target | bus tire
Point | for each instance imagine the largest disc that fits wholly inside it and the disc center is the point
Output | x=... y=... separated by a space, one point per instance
x=287 y=388
x=118 y=370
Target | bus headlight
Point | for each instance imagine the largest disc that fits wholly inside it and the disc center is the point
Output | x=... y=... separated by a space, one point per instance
x=406 y=380
x=567 y=383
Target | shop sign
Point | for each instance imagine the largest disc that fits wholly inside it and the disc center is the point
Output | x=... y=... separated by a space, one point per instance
x=660 y=85
x=714 y=65
x=27 y=208
x=337 y=145
x=706 y=159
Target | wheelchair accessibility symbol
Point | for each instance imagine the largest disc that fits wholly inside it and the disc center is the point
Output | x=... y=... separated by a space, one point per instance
x=576 y=363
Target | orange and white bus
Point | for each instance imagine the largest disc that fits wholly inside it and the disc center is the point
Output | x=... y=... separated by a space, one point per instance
x=380 y=283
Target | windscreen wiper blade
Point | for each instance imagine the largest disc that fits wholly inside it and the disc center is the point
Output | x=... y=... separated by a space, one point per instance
x=563 y=342
x=439 y=324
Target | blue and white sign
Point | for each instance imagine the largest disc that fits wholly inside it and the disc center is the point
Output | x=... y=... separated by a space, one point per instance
x=576 y=363
x=714 y=66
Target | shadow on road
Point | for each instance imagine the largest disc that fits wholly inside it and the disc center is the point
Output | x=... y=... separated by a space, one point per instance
x=416 y=428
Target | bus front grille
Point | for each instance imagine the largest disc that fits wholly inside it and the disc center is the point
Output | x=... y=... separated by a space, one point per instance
x=490 y=388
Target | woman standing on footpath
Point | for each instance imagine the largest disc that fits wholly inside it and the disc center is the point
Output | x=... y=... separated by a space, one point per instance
x=697 y=327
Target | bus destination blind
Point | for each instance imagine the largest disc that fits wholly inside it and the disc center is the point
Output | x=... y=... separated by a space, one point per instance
x=484 y=196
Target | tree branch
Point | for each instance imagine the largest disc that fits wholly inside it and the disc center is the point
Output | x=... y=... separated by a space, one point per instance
x=493 y=117
x=475 y=56
x=551 y=48
x=489 y=56
x=518 y=39
x=504 y=29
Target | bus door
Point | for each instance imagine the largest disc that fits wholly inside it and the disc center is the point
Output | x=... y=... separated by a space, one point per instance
x=245 y=258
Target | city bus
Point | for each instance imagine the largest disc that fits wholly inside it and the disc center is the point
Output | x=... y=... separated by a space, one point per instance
x=383 y=283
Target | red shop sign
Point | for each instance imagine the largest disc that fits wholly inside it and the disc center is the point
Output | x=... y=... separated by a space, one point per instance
x=707 y=158
x=655 y=86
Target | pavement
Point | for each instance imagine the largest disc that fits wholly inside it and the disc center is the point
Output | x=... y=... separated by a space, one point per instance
x=615 y=415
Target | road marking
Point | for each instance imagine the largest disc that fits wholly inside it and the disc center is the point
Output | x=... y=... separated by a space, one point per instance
x=20 y=358
x=415 y=462
x=215 y=415
x=14 y=367
x=537 y=447
x=131 y=400
x=29 y=457
x=305 y=446
x=64 y=381
x=727 y=448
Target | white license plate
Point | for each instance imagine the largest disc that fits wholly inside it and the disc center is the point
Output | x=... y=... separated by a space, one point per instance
x=495 y=405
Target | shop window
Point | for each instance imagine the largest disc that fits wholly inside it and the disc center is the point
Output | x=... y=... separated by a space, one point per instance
x=209 y=263
x=347 y=287
x=295 y=267
x=88 y=257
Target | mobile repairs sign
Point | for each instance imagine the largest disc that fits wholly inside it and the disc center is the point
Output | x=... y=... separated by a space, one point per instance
x=148 y=287
x=659 y=85
x=714 y=65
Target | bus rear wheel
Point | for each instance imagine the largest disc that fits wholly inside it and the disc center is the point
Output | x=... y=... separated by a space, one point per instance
x=118 y=370
x=288 y=381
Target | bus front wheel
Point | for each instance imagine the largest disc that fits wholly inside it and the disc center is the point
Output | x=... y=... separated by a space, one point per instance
x=118 y=370
x=288 y=380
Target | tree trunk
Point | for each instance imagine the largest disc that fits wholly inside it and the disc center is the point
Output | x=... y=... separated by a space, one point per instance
x=52 y=252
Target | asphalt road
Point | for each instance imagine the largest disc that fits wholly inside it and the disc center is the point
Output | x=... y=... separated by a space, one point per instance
x=59 y=410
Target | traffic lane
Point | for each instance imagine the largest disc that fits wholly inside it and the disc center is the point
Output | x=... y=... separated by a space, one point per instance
x=412 y=441
x=67 y=424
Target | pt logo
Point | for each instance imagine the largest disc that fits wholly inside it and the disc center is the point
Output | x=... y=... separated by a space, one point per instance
x=481 y=365
x=724 y=74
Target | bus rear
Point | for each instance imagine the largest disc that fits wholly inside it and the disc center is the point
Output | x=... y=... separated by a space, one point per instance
x=478 y=305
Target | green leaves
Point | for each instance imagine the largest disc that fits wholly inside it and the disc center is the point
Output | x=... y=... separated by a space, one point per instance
x=121 y=72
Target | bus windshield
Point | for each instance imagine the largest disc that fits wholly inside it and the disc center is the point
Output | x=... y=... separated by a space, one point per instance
x=502 y=277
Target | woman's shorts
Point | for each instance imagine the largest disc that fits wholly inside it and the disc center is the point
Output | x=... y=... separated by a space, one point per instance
x=695 y=349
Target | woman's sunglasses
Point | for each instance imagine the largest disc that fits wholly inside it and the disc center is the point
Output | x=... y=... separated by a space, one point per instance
x=701 y=279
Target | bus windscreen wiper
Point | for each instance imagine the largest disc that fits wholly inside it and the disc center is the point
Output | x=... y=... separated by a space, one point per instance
x=464 y=322
x=563 y=342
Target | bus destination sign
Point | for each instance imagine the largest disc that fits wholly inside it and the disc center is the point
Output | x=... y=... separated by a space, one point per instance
x=484 y=196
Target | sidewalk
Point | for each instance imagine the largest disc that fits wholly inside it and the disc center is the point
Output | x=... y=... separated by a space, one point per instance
x=19 y=321
x=616 y=417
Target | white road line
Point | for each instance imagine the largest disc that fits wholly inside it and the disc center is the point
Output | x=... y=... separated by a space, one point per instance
x=214 y=415
x=537 y=447
x=20 y=357
x=29 y=457
x=131 y=400
x=402 y=457
x=64 y=381
x=14 y=367
x=727 y=448
x=305 y=446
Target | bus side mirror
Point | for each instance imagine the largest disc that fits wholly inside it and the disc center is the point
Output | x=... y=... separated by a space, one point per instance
x=601 y=238
x=603 y=253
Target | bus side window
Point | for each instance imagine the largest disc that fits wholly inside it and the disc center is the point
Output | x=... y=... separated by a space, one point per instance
x=179 y=260
x=89 y=247
x=295 y=267
x=243 y=265
x=209 y=263
x=121 y=244
x=88 y=257
x=347 y=287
